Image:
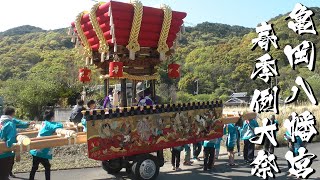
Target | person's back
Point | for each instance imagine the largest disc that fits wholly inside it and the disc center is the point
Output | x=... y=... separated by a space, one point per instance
x=8 y=134
x=76 y=114
x=231 y=133
x=47 y=129
x=247 y=130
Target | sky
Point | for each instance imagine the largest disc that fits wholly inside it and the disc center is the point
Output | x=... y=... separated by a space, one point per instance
x=60 y=13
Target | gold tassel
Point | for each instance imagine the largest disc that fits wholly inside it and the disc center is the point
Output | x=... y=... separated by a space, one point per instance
x=132 y=55
x=162 y=56
x=87 y=61
x=102 y=56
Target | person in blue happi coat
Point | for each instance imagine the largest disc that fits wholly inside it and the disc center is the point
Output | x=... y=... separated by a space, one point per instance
x=293 y=146
x=246 y=133
x=231 y=132
x=20 y=125
x=42 y=156
x=8 y=133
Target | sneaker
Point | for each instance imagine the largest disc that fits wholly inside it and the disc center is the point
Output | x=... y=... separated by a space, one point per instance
x=173 y=168
x=178 y=169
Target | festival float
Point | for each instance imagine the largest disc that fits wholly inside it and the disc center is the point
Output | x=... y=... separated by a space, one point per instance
x=126 y=42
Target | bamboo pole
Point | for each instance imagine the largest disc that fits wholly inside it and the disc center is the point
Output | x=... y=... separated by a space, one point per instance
x=45 y=143
x=234 y=119
x=30 y=134
x=53 y=136
x=34 y=133
x=67 y=125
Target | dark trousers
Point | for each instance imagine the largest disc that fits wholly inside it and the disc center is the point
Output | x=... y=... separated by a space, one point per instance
x=196 y=149
x=11 y=167
x=248 y=151
x=208 y=157
x=268 y=146
x=5 y=166
x=290 y=147
x=238 y=141
x=175 y=158
x=35 y=165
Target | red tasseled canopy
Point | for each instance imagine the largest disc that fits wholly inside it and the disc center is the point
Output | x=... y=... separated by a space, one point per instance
x=123 y=13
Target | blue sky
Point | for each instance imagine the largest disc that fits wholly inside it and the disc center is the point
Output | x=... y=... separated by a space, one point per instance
x=59 y=13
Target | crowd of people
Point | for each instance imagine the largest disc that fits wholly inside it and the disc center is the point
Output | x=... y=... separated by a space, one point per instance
x=8 y=133
x=234 y=132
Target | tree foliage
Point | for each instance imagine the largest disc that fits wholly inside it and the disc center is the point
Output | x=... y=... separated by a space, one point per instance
x=38 y=68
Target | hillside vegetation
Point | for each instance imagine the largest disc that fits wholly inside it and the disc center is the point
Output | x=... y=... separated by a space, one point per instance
x=39 y=68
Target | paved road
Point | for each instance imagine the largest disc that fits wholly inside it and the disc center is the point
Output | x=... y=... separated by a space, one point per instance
x=221 y=170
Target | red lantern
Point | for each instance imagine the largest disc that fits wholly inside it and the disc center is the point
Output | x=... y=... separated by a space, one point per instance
x=174 y=71
x=115 y=69
x=84 y=75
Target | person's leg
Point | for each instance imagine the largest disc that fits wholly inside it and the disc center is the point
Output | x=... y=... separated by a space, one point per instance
x=238 y=143
x=47 y=166
x=4 y=168
x=267 y=145
x=211 y=157
x=245 y=150
x=11 y=166
x=194 y=150
x=173 y=158
x=178 y=160
x=251 y=152
x=206 y=158
x=271 y=148
x=35 y=166
x=217 y=152
x=231 y=155
x=187 y=154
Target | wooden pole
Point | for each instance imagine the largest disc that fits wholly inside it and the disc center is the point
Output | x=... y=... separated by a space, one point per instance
x=123 y=93
x=134 y=92
x=234 y=119
x=106 y=87
x=45 y=143
x=153 y=90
